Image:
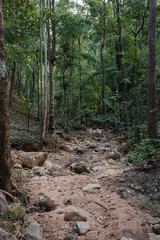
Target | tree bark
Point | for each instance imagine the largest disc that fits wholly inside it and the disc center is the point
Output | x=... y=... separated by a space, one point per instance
x=103 y=71
x=152 y=111
x=52 y=63
x=5 y=154
x=45 y=79
x=13 y=80
x=41 y=65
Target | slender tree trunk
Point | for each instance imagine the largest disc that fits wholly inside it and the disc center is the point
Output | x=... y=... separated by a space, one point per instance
x=38 y=86
x=103 y=72
x=41 y=66
x=5 y=151
x=119 y=54
x=13 y=80
x=64 y=99
x=52 y=63
x=80 y=79
x=152 y=121
x=45 y=80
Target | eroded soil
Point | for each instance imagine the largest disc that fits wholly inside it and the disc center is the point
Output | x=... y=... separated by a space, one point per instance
x=110 y=215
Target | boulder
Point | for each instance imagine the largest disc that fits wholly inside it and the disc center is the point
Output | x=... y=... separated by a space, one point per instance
x=111 y=161
x=67 y=148
x=3 y=206
x=82 y=227
x=33 y=232
x=153 y=236
x=32 y=145
x=40 y=171
x=156 y=229
x=74 y=216
x=4 y=235
x=32 y=159
x=114 y=155
x=82 y=149
x=46 y=204
x=80 y=167
x=8 y=226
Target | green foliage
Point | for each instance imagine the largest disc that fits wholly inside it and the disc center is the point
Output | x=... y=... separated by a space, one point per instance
x=144 y=150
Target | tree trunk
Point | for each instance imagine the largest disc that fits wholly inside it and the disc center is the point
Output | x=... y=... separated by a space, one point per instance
x=119 y=54
x=152 y=111
x=5 y=154
x=45 y=79
x=52 y=63
x=13 y=80
x=41 y=66
x=103 y=72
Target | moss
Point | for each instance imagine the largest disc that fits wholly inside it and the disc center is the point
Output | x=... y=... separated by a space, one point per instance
x=16 y=212
x=8 y=226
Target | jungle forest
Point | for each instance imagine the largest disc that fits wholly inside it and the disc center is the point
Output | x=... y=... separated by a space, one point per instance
x=79 y=119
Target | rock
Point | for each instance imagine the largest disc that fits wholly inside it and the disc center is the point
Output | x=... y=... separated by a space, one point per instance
x=33 y=232
x=82 y=227
x=67 y=136
x=7 y=226
x=114 y=155
x=124 y=238
x=92 y=145
x=3 y=206
x=123 y=148
x=32 y=145
x=4 y=235
x=17 y=166
x=111 y=161
x=32 y=159
x=67 y=148
x=73 y=197
x=92 y=188
x=47 y=164
x=40 y=171
x=123 y=160
x=74 y=216
x=13 y=238
x=156 y=229
x=82 y=149
x=80 y=168
x=46 y=204
x=154 y=221
x=102 y=149
x=152 y=236
x=16 y=212
x=69 y=238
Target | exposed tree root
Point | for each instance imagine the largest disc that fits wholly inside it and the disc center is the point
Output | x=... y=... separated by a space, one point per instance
x=8 y=195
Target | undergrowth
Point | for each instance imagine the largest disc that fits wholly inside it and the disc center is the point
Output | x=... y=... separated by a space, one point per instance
x=144 y=150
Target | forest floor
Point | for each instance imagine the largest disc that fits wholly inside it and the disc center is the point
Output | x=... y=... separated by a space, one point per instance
x=114 y=208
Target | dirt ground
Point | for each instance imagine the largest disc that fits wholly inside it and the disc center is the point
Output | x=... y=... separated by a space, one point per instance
x=112 y=212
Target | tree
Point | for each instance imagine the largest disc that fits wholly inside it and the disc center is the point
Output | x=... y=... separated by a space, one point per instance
x=5 y=169
x=152 y=122
x=45 y=78
x=51 y=64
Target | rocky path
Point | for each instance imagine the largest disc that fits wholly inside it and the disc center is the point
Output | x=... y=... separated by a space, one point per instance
x=80 y=179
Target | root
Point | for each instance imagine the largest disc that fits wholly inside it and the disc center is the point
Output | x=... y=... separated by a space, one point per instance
x=8 y=195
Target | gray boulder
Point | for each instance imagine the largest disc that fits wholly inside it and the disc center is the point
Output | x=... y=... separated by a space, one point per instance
x=3 y=206
x=32 y=159
x=33 y=232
